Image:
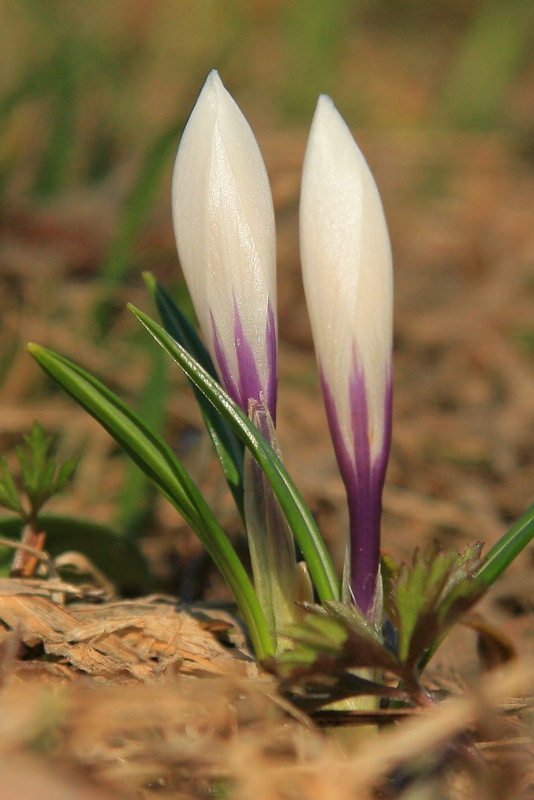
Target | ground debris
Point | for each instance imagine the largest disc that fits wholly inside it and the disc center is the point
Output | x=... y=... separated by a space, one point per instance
x=192 y=737
x=141 y=639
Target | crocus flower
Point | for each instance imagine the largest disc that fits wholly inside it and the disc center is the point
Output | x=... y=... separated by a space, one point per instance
x=224 y=225
x=347 y=270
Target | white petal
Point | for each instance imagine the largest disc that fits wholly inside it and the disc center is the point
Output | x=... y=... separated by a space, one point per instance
x=347 y=269
x=224 y=222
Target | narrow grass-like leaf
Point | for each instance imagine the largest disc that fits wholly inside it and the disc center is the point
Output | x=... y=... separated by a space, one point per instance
x=159 y=463
x=507 y=548
x=296 y=511
x=177 y=324
x=228 y=447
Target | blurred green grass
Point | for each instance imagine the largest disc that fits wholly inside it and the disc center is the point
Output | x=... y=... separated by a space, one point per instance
x=91 y=91
x=93 y=96
x=85 y=86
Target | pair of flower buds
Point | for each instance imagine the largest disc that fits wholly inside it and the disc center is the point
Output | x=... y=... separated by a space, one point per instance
x=224 y=224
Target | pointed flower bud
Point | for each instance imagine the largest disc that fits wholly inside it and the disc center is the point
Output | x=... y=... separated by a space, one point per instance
x=224 y=225
x=347 y=270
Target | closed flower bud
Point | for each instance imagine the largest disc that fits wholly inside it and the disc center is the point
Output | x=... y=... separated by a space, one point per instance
x=224 y=225
x=347 y=270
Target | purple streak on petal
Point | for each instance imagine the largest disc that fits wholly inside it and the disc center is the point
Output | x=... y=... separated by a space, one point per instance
x=247 y=386
x=250 y=387
x=364 y=481
x=381 y=462
x=272 y=363
x=224 y=368
x=344 y=460
x=365 y=502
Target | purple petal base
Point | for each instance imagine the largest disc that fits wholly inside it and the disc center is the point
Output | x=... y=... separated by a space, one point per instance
x=364 y=482
x=247 y=385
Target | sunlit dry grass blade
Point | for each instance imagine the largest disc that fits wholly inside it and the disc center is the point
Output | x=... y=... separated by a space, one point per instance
x=49 y=587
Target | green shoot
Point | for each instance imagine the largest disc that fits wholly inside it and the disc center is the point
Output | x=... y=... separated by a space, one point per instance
x=41 y=476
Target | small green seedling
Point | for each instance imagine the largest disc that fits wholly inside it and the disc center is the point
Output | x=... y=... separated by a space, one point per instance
x=41 y=477
x=31 y=530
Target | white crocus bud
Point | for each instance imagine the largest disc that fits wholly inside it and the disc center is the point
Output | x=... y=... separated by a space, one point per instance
x=224 y=225
x=347 y=270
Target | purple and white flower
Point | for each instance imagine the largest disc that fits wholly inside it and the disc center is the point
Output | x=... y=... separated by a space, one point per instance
x=347 y=270
x=224 y=225
x=225 y=233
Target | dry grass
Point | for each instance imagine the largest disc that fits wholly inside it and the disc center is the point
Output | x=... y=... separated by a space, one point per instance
x=200 y=727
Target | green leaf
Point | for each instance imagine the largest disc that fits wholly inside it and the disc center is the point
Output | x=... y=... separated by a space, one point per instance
x=318 y=635
x=159 y=463
x=365 y=646
x=315 y=644
x=507 y=548
x=177 y=324
x=228 y=447
x=325 y=645
x=9 y=496
x=427 y=597
x=65 y=472
x=416 y=592
x=33 y=459
x=293 y=506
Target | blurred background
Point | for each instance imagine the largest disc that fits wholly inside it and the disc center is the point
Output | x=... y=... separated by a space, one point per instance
x=440 y=96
